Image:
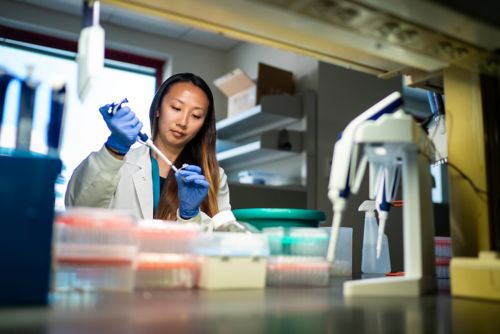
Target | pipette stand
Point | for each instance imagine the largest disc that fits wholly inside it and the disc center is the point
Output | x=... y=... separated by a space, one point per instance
x=401 y=138
x=26 y=216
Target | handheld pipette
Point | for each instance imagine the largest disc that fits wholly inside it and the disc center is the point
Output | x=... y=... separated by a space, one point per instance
x=145 y=140
x=5 y=79
x=385 y=197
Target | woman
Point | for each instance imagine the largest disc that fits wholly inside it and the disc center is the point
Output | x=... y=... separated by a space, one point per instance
x=182 y=120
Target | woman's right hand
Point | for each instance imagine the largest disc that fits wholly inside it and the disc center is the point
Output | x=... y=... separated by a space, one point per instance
x=124 y=126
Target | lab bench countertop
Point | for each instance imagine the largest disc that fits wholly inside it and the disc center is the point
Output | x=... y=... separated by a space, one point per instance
x=272 y=310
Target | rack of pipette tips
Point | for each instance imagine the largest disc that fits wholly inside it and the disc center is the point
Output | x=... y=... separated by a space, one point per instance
x=108 y=250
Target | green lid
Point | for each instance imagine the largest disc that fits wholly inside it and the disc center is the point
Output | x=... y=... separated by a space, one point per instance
x=278 y=213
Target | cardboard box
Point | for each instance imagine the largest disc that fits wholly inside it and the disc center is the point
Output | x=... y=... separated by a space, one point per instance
x=243 y=93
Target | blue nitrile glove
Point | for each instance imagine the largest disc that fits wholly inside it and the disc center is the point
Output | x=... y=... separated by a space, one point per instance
x=124 y=126
x=193 y=188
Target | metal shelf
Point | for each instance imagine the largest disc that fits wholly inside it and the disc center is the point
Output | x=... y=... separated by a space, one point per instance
x=274 y=111
x=252 y=153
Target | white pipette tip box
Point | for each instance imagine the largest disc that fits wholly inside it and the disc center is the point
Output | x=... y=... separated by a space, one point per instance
x=95 y=250
x=232 y=260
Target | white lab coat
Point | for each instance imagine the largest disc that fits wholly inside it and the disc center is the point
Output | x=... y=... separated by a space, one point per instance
x=103 y=181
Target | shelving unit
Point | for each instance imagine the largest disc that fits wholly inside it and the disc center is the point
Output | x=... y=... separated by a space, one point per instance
x=263 y=135
x=266 y=148
x=255 y=130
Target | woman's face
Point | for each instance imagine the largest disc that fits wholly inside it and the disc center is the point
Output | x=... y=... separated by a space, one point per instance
x=182 y=113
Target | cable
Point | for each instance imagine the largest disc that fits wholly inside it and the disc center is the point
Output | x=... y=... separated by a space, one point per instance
x=466 y=178
x=478 y=190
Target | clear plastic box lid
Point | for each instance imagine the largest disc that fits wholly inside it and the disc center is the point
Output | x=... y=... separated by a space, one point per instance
x=157 y=229
x=231 y=244
x=152 y=261
x=94 y=226
x=95 y=218
x=297 y=241
x=298 y=263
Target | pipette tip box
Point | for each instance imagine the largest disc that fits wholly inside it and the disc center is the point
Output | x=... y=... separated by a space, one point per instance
x=95 y=250
x=297 y=241
x=159 y=236
x=159 y=271
x=297 y=271
x=231 y=260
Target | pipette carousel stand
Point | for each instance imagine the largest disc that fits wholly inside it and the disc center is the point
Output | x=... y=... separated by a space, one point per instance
x=26 y=215
x=399 y=137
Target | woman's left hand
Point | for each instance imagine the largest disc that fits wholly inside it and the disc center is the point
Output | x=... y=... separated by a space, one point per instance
x=192 y=190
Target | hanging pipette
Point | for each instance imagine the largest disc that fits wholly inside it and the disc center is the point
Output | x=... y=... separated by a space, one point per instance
x=385 y=197
x=57 y=113
x=5 y=79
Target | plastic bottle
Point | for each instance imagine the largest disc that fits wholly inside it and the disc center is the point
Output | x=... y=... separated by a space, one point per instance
x=369 y=262
x=225 y=221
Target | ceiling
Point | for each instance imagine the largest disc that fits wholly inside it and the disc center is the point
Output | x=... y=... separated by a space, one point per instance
x=140 y=22
x=381 y=37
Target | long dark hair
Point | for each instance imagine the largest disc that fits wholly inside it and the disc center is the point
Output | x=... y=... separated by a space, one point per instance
x=199 y=151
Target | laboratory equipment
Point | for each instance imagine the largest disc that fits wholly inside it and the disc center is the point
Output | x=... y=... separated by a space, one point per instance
x=57 y=104
x=343 y=179
x=273 y=217
x=297 y=271
x=95 y=250
x=90 y=57
x=342 y=265
x=25 y=115
x=5 y=79
x=164 y=259
x=372 y=263
x=232 y=260
x=297 y=256
x=385 y=195
x=26 y=212
x=159 y=236
x=297 y=241
x=160 y=271
x=443 y=246
x=389 y=139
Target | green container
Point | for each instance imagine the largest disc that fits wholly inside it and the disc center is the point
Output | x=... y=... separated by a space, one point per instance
x=273 y=217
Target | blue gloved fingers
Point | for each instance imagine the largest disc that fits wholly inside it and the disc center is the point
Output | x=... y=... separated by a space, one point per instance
x=137 y=127
x=125 y=127
x=125 y=120
x=124 y=114
x=202 y=182
x=104 y=110
x=192 y=168
x=193 y=177
x=186 y=173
